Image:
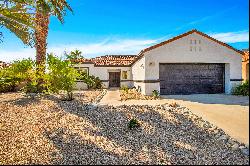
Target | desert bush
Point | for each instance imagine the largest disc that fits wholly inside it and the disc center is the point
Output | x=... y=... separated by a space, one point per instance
x=174 y=104
x=133 y=123
x=242 y=89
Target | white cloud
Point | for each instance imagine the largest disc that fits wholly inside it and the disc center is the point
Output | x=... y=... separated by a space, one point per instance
x=232 y=37
x=11 y=55
x=126 y=46
x=121 y=46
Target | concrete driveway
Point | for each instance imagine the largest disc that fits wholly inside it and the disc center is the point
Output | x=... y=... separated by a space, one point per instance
x=231 y=113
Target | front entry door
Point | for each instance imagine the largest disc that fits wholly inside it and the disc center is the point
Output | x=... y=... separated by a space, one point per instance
x=114 y=79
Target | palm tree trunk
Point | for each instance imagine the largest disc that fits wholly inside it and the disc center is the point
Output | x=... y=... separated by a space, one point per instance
x=41 y=33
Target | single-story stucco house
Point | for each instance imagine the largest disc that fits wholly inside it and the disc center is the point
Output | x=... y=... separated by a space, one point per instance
x=191 y=63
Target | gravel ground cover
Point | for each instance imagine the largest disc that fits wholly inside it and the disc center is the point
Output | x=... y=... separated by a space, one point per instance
x=50 y=131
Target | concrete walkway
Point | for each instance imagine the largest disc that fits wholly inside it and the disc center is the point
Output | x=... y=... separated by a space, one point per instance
x=112 y=97
x=231 y=113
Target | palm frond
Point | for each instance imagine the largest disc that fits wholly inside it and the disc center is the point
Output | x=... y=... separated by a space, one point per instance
x=14 y=16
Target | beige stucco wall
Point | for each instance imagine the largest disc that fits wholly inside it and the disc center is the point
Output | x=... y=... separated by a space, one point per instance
x=103 y=74
x=178 y=51
x=245 y=70
x=138 y=69
x=149 y=87
x=138 y=74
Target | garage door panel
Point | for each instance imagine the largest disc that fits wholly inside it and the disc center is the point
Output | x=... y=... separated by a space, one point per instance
x=191 y=78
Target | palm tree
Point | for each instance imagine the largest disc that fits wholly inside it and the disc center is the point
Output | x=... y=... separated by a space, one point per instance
x=15 y=17
x=44 y=9
x=77 y=54
x=22 y=17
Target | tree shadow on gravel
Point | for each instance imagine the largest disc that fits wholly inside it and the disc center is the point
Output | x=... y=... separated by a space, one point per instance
x=23 y=101
x=163 y=138
x=76 y=150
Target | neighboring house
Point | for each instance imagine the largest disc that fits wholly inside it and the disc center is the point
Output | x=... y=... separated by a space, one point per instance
x=245 y=65
x=190 y=63
x=4 y=65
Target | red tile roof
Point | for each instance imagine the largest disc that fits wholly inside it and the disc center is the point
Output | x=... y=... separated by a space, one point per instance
x=109 y=60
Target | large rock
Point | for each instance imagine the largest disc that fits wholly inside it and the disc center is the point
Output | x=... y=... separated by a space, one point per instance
x=216 y=131
x=235 y=147
x=245 y=151
x=207 y=125
x=223 y=138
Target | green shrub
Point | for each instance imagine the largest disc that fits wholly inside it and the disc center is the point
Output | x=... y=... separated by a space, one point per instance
x=6 y=85
x=242 y=89
x=133 y=123
x=61 y=76
x=31 y=87
x=92 y=81
x=18 y=72
x=124 y=88
x=155 y=93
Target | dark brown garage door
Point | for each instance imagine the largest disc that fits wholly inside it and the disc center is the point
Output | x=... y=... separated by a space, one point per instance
x=191 y=78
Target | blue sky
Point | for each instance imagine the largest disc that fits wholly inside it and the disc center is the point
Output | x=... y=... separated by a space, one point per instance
x=99 y=27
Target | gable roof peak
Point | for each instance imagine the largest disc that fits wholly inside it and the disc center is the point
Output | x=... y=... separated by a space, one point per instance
x=186 y=34
x=141 y=54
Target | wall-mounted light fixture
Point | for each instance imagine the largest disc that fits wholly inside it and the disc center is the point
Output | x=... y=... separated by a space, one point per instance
x=151 y=63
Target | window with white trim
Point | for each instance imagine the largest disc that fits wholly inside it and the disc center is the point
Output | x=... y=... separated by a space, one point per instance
x=82 y=69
